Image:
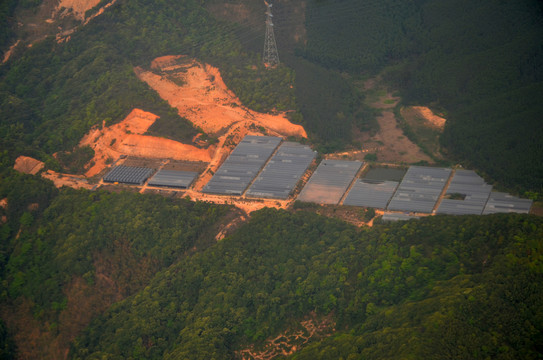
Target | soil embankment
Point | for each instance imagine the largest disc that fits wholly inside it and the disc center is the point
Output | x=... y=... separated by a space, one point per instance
x=200 y=95
x=73 y=181
x=126 y=138
x=429 y=116
x=28 y=165
x=77 y=8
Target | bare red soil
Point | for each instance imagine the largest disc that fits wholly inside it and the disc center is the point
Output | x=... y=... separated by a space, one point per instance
x=60 y=180
x=28 y=165
x=290 y=341
x=204 y=99
x=430 y=117
x=77 y=7
x=125 y=138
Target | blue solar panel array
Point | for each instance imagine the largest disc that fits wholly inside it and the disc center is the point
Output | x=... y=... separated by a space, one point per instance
x=173 y=178
x=283 y=171
x=420 y=189
x=128 y=175
x=475 y=190
x=243 y=164
x=371 y=193
x=330 y=181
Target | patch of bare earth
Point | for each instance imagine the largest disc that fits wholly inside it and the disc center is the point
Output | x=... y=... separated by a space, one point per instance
x=205 y=100
x=58 y=18
x=427 y=114
x=290 y=341
x=76 y=7
x=60 y=180
x=233 y=221
x=126 y=138
x=28 y=165
x=8 y=53
x=390 y=143
x=32 y=166
x=396 y=147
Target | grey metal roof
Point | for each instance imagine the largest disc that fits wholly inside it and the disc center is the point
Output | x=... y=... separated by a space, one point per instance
x=283 y=171
x=243 y=164
x=371 y=193
x=419 y=189
x=476 y=191
x=388 y=216
x=173 y=178
x=128 y=175
x=499 y=202
x=330 y=181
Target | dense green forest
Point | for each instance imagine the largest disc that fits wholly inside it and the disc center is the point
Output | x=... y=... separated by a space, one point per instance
x=438 y=274
x=54 y=244
x=480 y=63
x=7 y=9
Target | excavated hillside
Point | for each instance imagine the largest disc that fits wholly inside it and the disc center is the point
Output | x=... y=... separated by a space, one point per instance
x=200 y=95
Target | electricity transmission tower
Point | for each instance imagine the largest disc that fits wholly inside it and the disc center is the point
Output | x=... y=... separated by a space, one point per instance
x=270 y=57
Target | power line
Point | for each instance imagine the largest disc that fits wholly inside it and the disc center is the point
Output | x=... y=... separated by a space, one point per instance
x=271 y=56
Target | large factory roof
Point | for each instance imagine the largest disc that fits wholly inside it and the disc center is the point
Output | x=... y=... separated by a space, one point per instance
x=243 y=164
x=330 y=181
x=371 y=193
x=283 y=171
x=473 y=191
x=420 y=189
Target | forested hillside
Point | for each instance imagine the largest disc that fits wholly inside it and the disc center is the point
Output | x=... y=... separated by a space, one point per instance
x=97 y=274
x=480 y=63
x=415 y=284
x=67 y=256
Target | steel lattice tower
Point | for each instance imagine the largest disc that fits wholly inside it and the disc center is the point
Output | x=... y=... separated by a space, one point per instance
x=270 y=57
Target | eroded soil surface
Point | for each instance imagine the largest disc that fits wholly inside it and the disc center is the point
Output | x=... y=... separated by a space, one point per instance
x=429 y=116
x=201 y=96
x=28 y=165
x=73 y=181
x=126 y=138
x=389 y=144
x=76 y=7
x=290 y=341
